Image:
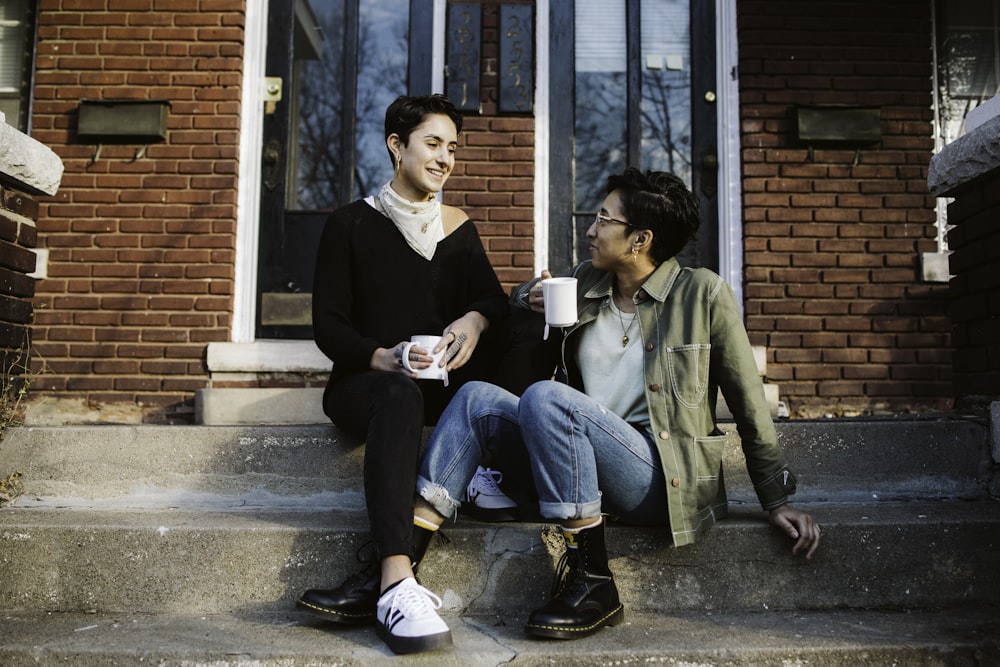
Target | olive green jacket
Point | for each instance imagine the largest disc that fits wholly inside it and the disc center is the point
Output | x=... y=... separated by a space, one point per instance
x=696 y=345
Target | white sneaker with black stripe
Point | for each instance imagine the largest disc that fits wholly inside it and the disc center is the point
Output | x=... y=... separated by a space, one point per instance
x=407 y=619
x=485 y=501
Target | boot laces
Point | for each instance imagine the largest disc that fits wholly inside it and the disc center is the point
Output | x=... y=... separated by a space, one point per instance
x=568 y=572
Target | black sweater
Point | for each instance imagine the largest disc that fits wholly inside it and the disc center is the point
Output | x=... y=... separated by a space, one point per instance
x=372 y=290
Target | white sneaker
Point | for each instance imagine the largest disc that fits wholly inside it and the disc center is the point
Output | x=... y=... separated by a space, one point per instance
x=407 y=619
x=485 y=501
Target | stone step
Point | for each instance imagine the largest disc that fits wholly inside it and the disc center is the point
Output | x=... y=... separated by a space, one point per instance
x=319 y=468
x=211 y=519
x=901 y=555
x=968 y=636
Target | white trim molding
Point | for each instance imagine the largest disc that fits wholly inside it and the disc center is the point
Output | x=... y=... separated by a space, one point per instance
x=730 y=185
x=248 y=197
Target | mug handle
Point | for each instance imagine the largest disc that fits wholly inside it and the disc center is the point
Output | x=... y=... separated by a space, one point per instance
x=406 y=357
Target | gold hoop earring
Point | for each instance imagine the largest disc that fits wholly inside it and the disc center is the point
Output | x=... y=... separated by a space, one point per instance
x=635 y=254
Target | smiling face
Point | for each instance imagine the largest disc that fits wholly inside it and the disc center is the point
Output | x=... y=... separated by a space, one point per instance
x=427 y=158
x=610 y=240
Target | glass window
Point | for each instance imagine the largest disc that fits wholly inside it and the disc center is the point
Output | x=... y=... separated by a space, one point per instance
x=317 y=107
x=14 y=62
x=968 y=60
x=318 y=99
x=382 y=66
x=666 y=87
x=601 y=99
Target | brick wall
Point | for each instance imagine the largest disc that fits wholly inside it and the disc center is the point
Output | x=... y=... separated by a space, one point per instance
x=834 y=236
x=18 y=236
x=140 y=274
x=975 y=263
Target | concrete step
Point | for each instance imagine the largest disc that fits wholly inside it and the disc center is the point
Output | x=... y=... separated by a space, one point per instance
x=319 y=468
x=902 y=555
x=245 y=639
x=214 y=519
x=189 y=545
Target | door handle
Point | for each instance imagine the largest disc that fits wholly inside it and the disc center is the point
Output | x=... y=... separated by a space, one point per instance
x=272 y=165
x=709 y=172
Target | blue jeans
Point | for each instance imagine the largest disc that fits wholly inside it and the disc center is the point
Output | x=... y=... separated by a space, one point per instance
x=584 y=460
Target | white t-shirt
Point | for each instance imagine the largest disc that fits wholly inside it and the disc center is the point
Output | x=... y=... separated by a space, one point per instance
x=612 y=374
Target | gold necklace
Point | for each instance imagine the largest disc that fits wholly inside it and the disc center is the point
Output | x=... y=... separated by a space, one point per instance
x=625 y=329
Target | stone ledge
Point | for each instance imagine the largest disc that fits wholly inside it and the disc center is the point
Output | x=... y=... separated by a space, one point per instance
x=965 y=160
x=28 y=163
x=267 y=356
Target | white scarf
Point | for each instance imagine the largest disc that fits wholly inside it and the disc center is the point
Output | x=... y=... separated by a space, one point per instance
x=418 y=222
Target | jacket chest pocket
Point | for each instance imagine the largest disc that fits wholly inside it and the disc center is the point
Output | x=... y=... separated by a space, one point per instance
x=687 y=368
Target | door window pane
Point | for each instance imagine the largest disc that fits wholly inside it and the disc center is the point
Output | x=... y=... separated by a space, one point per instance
x=601 y=100
x=666 y=87
x=317 y=106
x=317 y=98
x=382 y=66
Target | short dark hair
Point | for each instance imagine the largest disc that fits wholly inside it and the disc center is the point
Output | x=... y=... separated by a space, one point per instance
x=660 y=202
x=406 y=113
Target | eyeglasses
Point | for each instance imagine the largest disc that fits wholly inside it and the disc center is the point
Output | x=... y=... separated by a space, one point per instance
x=607 y=220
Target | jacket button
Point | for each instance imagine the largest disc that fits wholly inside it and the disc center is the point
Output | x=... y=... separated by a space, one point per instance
x=675 y=482
x=649 y=347
x=664 y=435
x=654 y=387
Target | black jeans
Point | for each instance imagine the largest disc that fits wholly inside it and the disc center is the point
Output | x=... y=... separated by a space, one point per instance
x=389 y=410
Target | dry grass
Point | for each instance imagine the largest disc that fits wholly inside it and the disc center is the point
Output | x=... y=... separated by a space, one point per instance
x=15 y=381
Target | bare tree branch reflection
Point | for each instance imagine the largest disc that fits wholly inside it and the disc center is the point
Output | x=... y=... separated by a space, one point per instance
x=322 y=150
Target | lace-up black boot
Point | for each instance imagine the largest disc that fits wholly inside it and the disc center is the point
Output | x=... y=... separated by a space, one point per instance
x=584 y=595
x=354 y=601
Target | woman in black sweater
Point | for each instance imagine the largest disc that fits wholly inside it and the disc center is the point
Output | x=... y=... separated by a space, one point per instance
x=389 y=267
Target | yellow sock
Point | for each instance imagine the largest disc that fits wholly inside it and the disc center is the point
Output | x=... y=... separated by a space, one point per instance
x=569 y=534
x=425 y=524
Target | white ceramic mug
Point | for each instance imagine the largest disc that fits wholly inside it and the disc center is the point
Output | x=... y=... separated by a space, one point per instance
x=432 y=372
x=559 y=295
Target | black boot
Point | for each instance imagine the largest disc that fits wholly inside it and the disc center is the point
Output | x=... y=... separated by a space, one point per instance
x=584 y=595
x=353 y=602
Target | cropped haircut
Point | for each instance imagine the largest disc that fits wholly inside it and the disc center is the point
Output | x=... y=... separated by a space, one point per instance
x=406 y=113
x=660 y=202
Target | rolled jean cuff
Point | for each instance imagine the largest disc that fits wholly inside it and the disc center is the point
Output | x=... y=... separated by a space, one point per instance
x=438 y=497
x=560 y=511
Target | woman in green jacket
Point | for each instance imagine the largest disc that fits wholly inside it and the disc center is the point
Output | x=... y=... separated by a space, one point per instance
x=632 y=433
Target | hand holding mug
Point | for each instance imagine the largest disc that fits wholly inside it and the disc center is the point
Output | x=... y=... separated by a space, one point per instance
x=536 y=295
x=559 y=299
x=424 y=357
